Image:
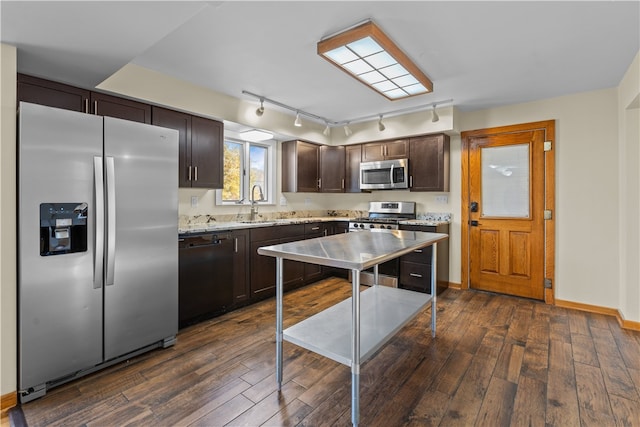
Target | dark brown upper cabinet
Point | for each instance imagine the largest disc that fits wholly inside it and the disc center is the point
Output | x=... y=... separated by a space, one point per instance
x=332 y=169
x=385 y=150
x=353 y=157
x=120 y=108
x=52 y=94
x=200 y=147
x=300 y=167
x=59 y=95
x=429 y=163
x=312 y=168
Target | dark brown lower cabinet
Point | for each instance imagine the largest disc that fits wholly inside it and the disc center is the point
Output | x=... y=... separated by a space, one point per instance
x=241 y=290
x=263 y=268
x=415 y=268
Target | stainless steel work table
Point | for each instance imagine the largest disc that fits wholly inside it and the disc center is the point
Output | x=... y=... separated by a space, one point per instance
x=354 y=329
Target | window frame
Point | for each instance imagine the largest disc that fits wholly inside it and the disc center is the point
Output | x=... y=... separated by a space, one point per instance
x=270 y=174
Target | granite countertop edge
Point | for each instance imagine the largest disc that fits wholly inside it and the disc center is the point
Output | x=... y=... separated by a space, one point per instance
x=236 y=225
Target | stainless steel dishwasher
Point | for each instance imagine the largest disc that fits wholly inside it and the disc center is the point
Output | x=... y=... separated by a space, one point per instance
x=205 y=276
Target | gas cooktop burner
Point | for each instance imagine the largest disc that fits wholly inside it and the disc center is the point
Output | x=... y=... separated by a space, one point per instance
x=384 y=215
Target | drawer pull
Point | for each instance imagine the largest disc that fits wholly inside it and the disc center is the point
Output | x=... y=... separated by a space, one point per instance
x=418 y=251
x=415 y=275
x=315 y=228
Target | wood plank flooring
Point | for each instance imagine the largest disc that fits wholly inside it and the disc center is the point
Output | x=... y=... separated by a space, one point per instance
x=496 y=361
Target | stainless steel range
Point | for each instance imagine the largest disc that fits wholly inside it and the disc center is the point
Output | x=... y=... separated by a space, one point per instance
x=383 y=215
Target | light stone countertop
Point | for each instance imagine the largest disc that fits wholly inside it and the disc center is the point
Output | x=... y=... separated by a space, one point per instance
x=236 y=225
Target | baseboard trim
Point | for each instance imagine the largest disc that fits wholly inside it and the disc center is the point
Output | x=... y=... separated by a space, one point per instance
x=8 y=401
x=625 y=324
x=457 y=286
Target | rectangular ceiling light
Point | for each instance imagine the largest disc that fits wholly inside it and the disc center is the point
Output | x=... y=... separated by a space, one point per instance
x=367 y=54
x=255 y=135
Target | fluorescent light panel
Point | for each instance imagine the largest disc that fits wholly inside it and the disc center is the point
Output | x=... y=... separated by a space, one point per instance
x=367 y=54
x=256 y=135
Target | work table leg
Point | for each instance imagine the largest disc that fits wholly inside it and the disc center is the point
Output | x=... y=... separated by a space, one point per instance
x=355 y=347
x=434 y=271
x=279 y=286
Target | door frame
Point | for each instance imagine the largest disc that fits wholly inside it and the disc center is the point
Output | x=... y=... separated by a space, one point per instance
x=548 y=126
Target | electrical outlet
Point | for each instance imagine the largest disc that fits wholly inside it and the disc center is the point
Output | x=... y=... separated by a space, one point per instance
x=442 y=199
x=283 y=201
x=194 y=201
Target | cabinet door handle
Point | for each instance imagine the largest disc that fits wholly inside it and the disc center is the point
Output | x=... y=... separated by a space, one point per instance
x=342 y=184
x=86 y=105
x=319 y=182
x=410 y=180
x=382 y=150
x=416 y=275
x=235 y=244
x=95 y=107
x=189 y=179
x=325 y=232
x=196 y=173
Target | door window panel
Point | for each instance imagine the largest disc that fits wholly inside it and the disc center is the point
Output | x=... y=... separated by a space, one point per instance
x=505 y=181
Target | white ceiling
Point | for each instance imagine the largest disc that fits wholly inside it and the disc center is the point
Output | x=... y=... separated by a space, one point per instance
x=479 y=54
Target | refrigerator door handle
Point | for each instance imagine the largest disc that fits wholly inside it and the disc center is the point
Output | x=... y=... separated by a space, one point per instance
x=111 y=221
x=98 y=253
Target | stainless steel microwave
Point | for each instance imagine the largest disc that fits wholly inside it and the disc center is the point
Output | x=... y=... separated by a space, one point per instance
x=384 y=175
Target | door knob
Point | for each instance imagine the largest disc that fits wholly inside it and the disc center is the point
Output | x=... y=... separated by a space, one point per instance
x=474 y=207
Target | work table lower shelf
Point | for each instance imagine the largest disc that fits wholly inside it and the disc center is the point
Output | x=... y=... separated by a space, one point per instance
x=383 y=312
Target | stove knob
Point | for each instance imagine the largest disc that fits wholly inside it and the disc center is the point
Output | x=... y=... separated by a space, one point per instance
x=361 y=225
x=389 y=227
x=372 y=226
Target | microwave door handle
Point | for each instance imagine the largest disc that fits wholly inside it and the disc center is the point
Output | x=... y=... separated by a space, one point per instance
x=391 y=175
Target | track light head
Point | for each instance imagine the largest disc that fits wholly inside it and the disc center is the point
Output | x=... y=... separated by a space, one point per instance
x=381 y=125
x=297 y=121
x=347 y=130
x=260 y=111
x=434 y=117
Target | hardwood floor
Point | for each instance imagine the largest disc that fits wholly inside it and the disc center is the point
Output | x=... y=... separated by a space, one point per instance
x=496 y=361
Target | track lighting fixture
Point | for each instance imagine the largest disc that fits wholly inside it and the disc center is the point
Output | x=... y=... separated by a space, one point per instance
x=260 y=111
x=345 y=123
x=434 y=117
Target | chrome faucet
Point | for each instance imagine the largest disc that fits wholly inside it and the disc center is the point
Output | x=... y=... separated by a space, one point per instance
x=252 y=199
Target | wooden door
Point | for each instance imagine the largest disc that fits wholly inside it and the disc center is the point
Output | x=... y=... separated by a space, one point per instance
x=506 y=199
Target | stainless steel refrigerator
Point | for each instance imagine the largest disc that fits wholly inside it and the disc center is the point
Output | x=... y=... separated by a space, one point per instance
x=97 y=253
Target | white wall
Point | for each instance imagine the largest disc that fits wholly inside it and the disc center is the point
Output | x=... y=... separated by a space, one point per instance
x=629 y=159
x=8 y=302
x=587 y=191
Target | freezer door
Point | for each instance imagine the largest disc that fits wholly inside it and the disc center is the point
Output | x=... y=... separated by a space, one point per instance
x=59 y=304
x=141 y=291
